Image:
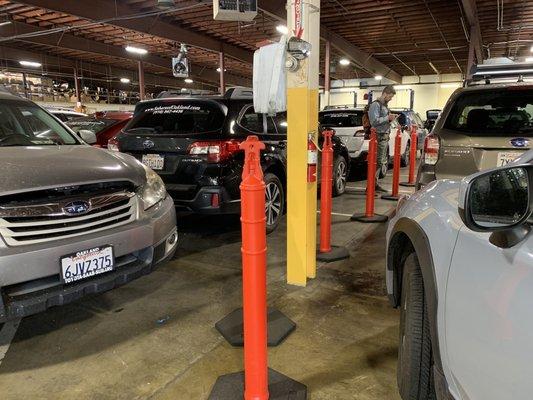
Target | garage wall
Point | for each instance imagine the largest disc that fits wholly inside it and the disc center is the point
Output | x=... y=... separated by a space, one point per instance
x=431 y=91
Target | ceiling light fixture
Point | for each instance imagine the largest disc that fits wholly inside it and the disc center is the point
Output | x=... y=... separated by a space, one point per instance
x=433 y=67
x=282 y=29
x=378 y=77
x=344 y=61
x=188 y=80
x=125 y=80
x=136 y=50
x=529 y=59
x=3 y=23
x=218 y=69
x=32 y=64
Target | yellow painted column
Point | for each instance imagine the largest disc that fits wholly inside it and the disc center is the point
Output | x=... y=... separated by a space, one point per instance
x=302 y=119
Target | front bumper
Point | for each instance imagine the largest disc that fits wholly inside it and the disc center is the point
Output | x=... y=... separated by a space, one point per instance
x=30 y=275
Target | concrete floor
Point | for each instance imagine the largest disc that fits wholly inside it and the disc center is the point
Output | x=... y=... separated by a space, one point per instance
x=155 y=339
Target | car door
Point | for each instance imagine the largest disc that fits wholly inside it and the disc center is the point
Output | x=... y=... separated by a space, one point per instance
x=487 y=312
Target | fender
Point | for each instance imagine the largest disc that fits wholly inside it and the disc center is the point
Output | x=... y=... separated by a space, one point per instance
x=396 y=255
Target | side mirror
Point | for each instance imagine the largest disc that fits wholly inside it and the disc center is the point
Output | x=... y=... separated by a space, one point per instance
x=498 y=201
x=87 y=136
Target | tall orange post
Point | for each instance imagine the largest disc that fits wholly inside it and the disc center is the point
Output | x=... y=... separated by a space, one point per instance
x=253 y=223
x=412 y=158
x=396 y=169
x=327 y=252
x=254 y=385
x=369 y=215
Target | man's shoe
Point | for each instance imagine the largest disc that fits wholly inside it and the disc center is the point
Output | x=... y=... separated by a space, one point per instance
x=380 y=189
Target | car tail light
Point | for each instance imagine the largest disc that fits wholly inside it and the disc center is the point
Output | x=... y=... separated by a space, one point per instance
x=112 y=144
x=431 y=149
x=216 y=151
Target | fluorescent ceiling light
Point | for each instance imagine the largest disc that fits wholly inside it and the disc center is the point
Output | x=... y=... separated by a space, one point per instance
x=5 y=23
x=32 y=64
x=454 y=85
x=188 y=80
x=124 y=80
x=282 y=29
x=433 y=67
x=378 y=77
x=136 y=50
x=344 y=61
x=529 y=59
x=531 y=49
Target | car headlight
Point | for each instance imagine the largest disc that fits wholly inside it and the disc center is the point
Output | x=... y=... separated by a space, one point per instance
x=153 y=191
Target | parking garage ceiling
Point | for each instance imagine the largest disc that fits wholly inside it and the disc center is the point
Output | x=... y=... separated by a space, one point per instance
x=389 y=37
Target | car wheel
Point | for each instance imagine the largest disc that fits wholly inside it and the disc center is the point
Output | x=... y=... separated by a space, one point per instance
x=340 y=174
x=415 y=379
x=274 y=201
x=405 y=158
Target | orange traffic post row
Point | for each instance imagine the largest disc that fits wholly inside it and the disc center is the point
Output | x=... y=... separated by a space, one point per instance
x=395 y=194
x=370 y=215
x=327 y=253
x=412 y=158
x=253 y=384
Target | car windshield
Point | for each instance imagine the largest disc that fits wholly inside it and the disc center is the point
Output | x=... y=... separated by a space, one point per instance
x=91 y=124
x=177 y=118
x=341 y=119
x=26 y=124
x=493 y=113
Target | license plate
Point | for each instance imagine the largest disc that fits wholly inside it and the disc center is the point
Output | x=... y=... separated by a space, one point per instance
x=505 y=157
x=87 y=263
x=154 y=161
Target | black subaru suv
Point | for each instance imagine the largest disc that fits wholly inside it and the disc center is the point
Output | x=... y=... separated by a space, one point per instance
x=193 y=142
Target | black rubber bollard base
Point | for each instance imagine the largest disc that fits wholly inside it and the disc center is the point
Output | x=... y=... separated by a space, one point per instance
x=280 y=387
x=335 y=254
x=367 y=220
x=232 y=329
x=407 y=184
x=390 y=197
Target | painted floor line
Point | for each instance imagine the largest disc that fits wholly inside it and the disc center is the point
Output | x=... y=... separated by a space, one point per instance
x=338 y=214
x=7 y=333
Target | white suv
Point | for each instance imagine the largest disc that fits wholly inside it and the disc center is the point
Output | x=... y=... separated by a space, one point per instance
x=459 y=265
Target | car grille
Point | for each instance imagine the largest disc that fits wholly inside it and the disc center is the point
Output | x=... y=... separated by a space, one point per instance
x=37 y=223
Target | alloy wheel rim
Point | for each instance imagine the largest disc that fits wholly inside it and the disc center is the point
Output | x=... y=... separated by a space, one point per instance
x=340 y=177
x=272 y=203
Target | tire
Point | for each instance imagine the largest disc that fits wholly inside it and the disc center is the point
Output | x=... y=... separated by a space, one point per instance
x=404 y=159
x=340 y=175
x=274 y=201
x=415 y=359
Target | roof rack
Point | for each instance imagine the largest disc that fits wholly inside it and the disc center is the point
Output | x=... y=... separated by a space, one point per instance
x=339 y=107
x=491 y=73
x=183 y=93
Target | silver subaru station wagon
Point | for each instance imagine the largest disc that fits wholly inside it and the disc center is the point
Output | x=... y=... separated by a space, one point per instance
x=74 y=219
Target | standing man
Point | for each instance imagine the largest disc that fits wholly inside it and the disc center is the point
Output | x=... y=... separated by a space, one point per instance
x=380 y=119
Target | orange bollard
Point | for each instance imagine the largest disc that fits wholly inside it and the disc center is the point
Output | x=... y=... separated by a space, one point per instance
x=369 y=215
x=253 y=222
x=412 y=158
x=326 y=252
x=253 y=383
x=396 y=170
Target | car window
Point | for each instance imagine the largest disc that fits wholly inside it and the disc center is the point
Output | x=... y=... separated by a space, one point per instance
x=25 y=124
x=341 y=119
x=181 y=117
x=281 y=123
x=251 y=121
x=271 y=127
x=493 y=113
x=89 y=123
x=416 y=119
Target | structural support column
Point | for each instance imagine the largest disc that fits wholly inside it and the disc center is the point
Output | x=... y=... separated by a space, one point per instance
x=327 y=78
x=25 y=84
x=302 y=114
x=142 y=92
x=77 y=89
x=222 y=68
